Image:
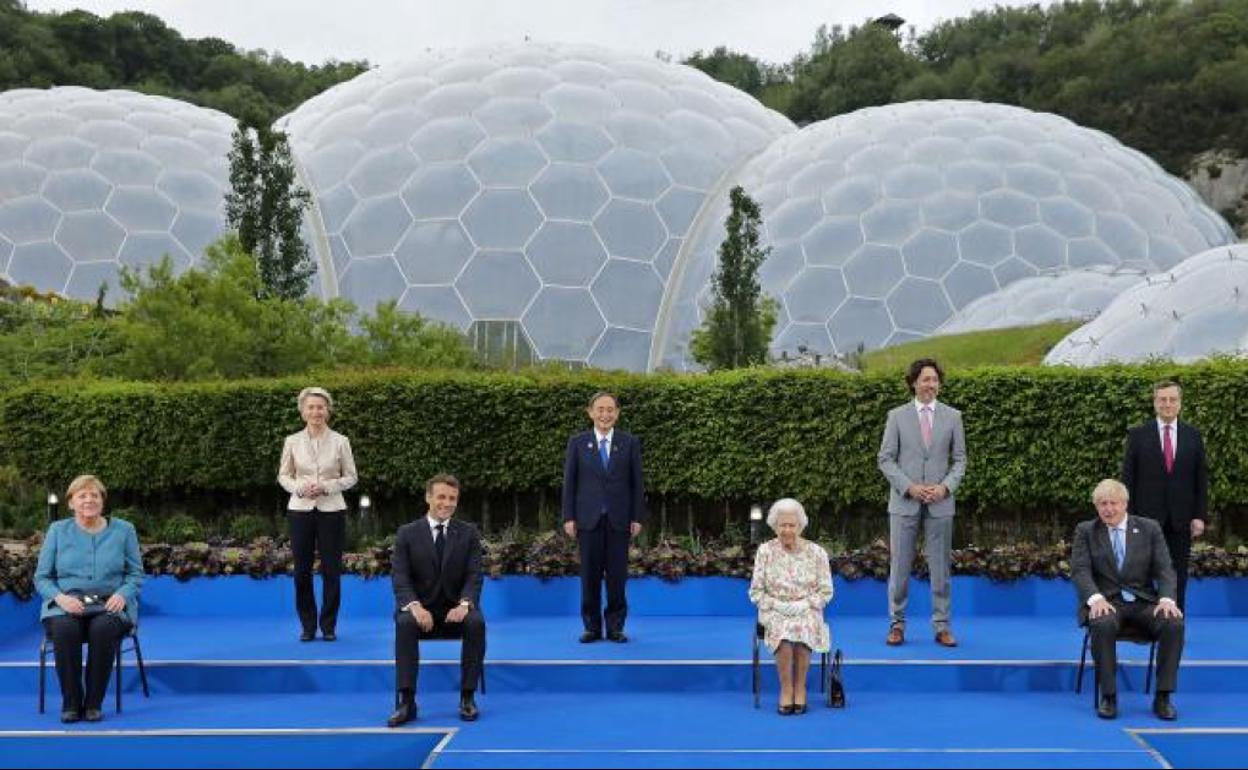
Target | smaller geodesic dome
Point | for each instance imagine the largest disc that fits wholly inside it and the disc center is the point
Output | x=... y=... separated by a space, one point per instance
x=885 y=222
x=1077 y=295
x=1198 y=309
x=94 y=180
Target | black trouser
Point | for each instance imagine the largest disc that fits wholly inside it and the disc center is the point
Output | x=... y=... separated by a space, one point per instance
x=312 y=531
x=407 y=636
x=1179 y=544
x=1139 y=615
x=603 y=550
x=102 y=632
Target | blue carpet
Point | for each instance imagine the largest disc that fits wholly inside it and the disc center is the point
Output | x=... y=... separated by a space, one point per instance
x=705 y=730
x=223 y=654
x=1186 y=747
x=233 y=749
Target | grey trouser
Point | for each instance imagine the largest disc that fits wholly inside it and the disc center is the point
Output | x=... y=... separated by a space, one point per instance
x=903 y=534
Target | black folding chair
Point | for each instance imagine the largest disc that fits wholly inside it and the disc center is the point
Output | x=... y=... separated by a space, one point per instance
x=132 y=636
x=1128 y=634
x=759 y=632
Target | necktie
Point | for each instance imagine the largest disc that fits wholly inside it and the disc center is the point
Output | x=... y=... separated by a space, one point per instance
x=1167 y=448
x=604 y=451
x=439 y=543
x=926 y=425
x=1118 y=539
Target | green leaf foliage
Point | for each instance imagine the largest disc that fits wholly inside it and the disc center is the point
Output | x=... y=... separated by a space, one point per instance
x=1039 y=438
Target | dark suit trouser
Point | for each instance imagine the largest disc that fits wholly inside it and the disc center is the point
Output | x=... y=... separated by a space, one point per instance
x=311 y=531
x=1139 y=615
x=603 y=551
x=102 y=633
x=1179 y=544
x=407 y=636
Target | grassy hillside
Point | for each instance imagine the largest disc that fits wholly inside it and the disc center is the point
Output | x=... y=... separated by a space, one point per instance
x=1020 y=346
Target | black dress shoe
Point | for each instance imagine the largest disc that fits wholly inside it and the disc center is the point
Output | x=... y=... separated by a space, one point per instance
x=784 y=711
x=799 y=708
x=69 y=716
x=92 y=715
x=405 y=713
x=468 y=710
x=307 y=636
x=1108 y=707
x=617 y=637
x=590 y=636
x=329 y=636
x=1163 y=708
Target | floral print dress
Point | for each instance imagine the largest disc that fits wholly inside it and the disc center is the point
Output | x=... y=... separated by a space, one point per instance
x=791 y=588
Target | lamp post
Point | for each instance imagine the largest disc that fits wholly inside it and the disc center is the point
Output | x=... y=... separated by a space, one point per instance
x=53 y=502
x=756 y=523
x=366 y=509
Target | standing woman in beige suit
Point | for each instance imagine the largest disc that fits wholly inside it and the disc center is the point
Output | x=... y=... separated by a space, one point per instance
x=316 y=468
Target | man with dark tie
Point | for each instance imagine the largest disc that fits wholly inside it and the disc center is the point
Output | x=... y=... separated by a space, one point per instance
x=923 y=456
x=1120 y=568
x=603 y=508
x=1167 y=476
x=436 y=571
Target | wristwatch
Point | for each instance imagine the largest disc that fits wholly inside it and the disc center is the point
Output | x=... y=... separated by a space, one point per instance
x=465 y=603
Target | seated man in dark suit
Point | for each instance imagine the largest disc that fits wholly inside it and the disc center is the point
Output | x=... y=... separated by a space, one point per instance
x=437 y=589
x=1121 y=569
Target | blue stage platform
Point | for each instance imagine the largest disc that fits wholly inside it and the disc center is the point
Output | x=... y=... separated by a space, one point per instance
x=222 y=655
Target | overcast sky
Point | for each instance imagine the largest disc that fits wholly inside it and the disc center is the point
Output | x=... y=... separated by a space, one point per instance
x=383 y=31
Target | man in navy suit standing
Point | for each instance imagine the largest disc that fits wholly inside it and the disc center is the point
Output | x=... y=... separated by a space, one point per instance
x=1167 y=476
x=603 y=508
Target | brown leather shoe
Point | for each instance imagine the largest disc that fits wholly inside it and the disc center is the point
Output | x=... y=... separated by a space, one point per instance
x=896 y=635
x=945 y=639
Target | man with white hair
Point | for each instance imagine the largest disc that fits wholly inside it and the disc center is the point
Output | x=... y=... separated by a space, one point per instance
x=1120 y=567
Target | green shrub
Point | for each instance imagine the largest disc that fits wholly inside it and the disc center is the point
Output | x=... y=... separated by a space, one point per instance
x=248 y=527
x=181 y=528
x=1039 y=438
x=146 y=524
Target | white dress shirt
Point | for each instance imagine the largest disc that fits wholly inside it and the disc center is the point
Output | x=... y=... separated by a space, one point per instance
x=1174 y=436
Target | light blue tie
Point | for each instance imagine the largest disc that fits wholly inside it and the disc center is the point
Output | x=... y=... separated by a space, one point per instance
x=604 y=451
x=1118 y=539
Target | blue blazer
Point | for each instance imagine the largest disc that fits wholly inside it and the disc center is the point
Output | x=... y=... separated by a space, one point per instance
x=589 y=490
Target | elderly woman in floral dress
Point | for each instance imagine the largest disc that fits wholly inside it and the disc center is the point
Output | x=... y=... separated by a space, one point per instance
x=792 y=584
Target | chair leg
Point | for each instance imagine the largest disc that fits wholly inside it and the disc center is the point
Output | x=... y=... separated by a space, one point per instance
x=823 y=672
x=1148 y=676
x=43 y=666
x=1083 y=661
x=483 y=677
x=117 y=665
x=755 y=671
x=138 y=657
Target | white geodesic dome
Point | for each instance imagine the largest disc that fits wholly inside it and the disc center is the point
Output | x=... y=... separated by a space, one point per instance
x=885 y=222
x=93 y=180
x=551 y=186
x=1077 y=295
x=1196 y=310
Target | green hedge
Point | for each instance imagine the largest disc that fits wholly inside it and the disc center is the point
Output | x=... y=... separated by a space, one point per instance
x=1039 y=438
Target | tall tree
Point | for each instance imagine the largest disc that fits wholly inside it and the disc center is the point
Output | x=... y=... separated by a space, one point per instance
x=265 y=207
x=738 y=325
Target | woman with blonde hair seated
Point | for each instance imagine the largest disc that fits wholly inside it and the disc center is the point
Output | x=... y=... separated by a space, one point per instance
x=89 y=573
x=792 y=584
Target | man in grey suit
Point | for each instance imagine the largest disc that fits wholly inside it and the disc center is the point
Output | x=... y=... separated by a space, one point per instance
x=923 y=456
x=1120 y=567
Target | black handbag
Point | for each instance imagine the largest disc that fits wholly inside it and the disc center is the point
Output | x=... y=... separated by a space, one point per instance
x=92 y=604
x=836 y=683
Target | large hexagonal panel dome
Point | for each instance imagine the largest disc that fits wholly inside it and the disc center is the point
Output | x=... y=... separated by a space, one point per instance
x=1196 y=310
x=93 y=180
x=546 y=185
x=1077 y=295
x=885 y=222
